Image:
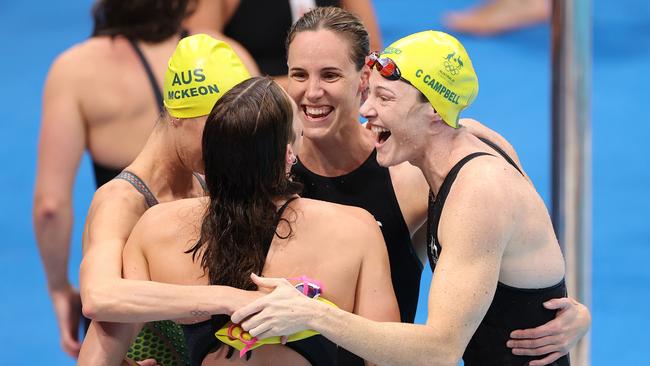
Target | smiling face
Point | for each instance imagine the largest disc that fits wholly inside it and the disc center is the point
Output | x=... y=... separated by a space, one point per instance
x=323 y=82
x=399 y=119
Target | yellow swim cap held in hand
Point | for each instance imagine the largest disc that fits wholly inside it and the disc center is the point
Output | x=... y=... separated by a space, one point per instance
x=437 y=65
x=200 y=71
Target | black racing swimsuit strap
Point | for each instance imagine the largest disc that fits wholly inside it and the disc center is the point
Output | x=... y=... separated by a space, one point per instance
x=138 y=184
x=152 y=79
x=502 y=153
x=435 y=209
x=201 y=181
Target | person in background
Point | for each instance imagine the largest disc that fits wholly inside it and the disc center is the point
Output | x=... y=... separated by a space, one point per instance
x=499 y=16
x=264 y=36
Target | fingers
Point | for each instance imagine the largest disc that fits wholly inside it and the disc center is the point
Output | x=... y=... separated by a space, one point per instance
x=261 y=331
x=283 y=340
x=148 y=362
x=268 y=282
x=545 y=330
x=248 y=310
x=70 y=345
x=534 y=351
x=546 y=360
x=532 y=344
x=253 y=322
x=557 y=304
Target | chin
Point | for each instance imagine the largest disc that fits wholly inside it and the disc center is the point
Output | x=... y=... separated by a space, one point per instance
x=388 y=160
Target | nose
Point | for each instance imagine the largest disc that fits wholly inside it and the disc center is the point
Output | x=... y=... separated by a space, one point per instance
x=367 y=110
x=314 y=89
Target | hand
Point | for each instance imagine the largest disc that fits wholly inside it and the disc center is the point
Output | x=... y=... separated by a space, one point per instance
x=282 y=312
x=556 y=337
x=147 y=362
x=67 y=308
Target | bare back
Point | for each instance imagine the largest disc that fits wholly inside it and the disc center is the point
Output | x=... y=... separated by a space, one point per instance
x=339 y=246
x=115 y=96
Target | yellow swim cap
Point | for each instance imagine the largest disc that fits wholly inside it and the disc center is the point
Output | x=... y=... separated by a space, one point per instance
x=200 y=71
x=437 y=65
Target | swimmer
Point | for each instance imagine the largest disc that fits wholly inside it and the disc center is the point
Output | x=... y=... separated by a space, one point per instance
x=162 y=172
x=497 y=264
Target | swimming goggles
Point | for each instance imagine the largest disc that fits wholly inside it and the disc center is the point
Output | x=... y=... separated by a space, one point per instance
x=386 y=66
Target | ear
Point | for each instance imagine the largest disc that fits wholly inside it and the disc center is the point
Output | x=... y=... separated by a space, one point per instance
x=432 y=115
x=290 y=157
x=174 y=122
x=364 y=84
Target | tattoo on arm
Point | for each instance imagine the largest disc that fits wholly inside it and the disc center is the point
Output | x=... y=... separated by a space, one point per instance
x=199 y=313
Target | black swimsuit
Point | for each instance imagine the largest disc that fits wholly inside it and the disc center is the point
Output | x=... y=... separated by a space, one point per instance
x=371 y=188
x=200 y=338
x=511 y=308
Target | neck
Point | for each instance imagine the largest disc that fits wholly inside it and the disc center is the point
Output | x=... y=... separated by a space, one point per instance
x=162 y=169
x=339 y=154
x=443 y=151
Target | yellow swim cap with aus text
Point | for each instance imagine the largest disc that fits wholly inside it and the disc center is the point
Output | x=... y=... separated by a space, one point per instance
x=437 y=65
x=199 y=72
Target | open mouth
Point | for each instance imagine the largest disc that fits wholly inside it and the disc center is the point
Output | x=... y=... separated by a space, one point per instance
x=381 y=134
x=317 y=113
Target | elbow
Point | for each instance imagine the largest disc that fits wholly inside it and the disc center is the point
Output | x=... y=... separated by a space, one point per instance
x=97 y=304
x=49 y=209
x=446 y=349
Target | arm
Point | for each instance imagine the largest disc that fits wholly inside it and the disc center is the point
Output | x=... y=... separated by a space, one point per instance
x=461 y=292
x=107 y=343
x=365 y=11
x=108 y=297
x=61 y=145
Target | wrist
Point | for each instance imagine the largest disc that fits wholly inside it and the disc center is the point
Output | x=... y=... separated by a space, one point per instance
x=317 y=315
x=60 y=287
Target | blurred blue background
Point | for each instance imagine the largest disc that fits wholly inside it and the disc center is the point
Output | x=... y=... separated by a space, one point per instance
x=514 y=71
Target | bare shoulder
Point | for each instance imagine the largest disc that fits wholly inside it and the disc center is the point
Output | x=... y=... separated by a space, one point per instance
x=479 y=130
x=175 y=215
x=117 y=195
x=347 y=220
x=486 y=184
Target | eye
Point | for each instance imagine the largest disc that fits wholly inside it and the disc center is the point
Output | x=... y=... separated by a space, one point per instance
x=331 y=76
x=384 y=98
x=298 y=75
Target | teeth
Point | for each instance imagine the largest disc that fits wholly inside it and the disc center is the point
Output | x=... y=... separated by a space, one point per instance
x=377 y=129
x=317 y=111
